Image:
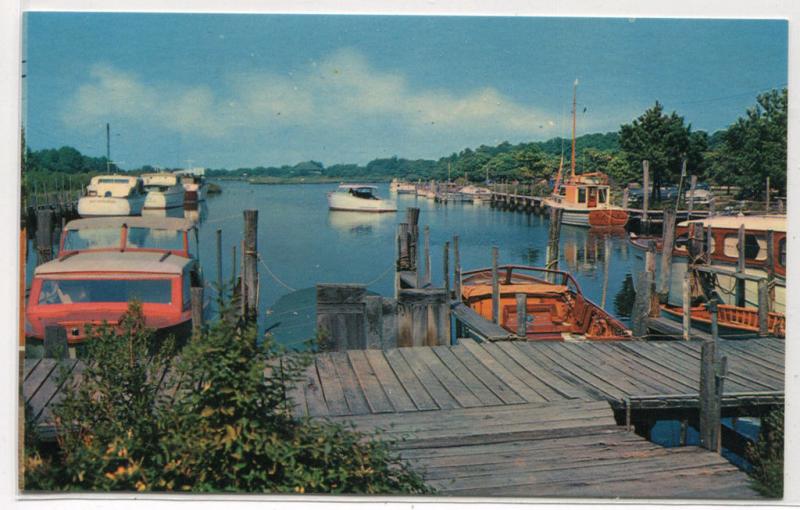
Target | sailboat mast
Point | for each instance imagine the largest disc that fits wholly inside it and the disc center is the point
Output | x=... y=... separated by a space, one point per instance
x=574 y=103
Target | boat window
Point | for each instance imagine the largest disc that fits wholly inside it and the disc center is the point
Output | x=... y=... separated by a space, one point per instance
x=111 y=180
x=161 y=239
x=755 y=248
x=55 y=292
x=581 y=195
x=602 y=195
x=92 y=238
x=362 y=192
x=782 y=252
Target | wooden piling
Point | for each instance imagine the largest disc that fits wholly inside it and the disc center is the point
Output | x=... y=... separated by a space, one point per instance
x=456 y=270
x=709 y=410
x=522 y=315
x=645 y=196
x=554 y=235
x=427 y=254
x=373 y=322
x=44 y=235
x=446 y=269
x=650 y=275
x=412 y=219
x=668 y=240
x=625 y=198
x=250 y=263
x=197 y=309
x=763 y=307
x=403 y=239
x=55 y=342
x=606 y=269
x=740 y=267
x=495 y=288
x=687 y=303
x=422 y=318
x=692 y=188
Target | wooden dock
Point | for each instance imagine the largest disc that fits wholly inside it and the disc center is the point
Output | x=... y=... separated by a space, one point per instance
x=520 y=418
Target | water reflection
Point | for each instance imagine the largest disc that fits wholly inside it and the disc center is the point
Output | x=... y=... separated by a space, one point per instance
x=623 y=301
x=196 y=212
x=175 y=212
x=358 y=223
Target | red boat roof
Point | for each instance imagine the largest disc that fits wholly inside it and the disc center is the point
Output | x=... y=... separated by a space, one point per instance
x=116 y=262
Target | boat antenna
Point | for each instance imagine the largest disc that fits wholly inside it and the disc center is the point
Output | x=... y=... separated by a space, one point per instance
x=574 y=102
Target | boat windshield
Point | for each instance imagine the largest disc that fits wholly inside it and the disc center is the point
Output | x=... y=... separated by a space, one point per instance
x=362 y=192
x=68 y=291
x=94 y=238
x=156 y=238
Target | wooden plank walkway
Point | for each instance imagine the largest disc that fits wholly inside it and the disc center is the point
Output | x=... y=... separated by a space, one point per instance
x=562 y=449
x=644 y=374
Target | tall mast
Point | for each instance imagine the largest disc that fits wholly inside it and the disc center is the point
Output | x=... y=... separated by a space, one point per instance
x=574 y=103
x=108 y=148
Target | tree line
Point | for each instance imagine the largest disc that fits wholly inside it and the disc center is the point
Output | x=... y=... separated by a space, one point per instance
x=742 y=155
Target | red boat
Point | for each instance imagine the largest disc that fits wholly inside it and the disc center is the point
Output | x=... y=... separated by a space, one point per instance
x=731 y=319
x=557 y=309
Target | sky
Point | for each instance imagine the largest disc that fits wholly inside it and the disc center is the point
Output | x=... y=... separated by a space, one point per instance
x=228 y=91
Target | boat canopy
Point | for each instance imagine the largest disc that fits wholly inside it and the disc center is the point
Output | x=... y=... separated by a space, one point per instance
x=126 y=262
x=776 y=222
x=161 y=223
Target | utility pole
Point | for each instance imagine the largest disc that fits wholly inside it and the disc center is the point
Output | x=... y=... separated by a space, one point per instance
x=108 y=148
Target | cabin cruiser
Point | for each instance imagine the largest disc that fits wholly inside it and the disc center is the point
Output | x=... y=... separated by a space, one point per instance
x=557 y=310
x=358 y=197
x=194 y=187
x=103 y=264
x=164 y=191
x=476 y=193
x=402 y=188
x=112 y=195
x=721 y=252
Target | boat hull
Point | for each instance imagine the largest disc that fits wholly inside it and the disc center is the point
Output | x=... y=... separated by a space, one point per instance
x=733 y=321
x=347 y=202
x=194 y=193
x=584 y=217
x=164 y=199
x=110 y=206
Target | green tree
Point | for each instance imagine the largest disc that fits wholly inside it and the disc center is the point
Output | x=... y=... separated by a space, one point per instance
x=754 y=148
x=663 y=140
x=766 y=456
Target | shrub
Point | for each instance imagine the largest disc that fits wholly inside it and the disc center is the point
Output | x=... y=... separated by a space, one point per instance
x=766 y=456
x=229 y=426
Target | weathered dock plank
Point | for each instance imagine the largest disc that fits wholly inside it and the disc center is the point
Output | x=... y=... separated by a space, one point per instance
x=419 y=395
x=391 y=386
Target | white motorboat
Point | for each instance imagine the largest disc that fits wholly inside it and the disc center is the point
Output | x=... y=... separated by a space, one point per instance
x=112 y=195
x=194 y=187
x=476 y=193
x=358 y=197
x=402 y=188
x=164 y=191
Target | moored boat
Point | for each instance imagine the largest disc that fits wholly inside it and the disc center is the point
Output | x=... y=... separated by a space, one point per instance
x=733 y=321
x=402 y=188
x=112 y=195
x=164 y=191
x=194 y=187
x=476 y=193
x=176 y=236
x=95 y=287
x=557 y=310
x=358 y=197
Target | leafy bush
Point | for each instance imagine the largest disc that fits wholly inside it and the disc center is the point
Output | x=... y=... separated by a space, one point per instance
x=766 y=456
x=227 y=427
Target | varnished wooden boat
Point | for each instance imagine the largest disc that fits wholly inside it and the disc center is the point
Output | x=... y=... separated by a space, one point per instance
x=557 y=309
x=732 y=320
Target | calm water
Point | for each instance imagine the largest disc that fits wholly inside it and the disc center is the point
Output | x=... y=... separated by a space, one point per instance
x=302 y=243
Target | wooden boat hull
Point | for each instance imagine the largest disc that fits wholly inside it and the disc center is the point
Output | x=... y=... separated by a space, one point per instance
x=732 y=320
x=590 y=218
x=555 y=312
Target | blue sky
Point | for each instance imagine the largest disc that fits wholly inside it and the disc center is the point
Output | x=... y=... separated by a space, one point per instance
x=247 y=90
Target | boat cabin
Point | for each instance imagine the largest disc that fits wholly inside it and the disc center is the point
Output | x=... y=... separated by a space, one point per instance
x=119 y=186
x=586 y=190
x=160 y=181
x=359 y=191
x=725 y=239
x=95 y=287
x=177 y=236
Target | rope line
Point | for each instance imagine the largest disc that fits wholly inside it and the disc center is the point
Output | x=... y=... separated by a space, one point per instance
x=274 y=276
x=383 y=274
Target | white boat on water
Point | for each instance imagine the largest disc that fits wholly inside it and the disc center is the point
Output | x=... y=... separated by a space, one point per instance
x=358 y=197
x=164 y=191
x=476 y=193
x=194 y=187
x=402 y=188
x=112 y=195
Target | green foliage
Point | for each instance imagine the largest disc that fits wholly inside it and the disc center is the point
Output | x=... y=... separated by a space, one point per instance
x=229 y=427
x=754 y=148
x=664 y=141
x=766 y=456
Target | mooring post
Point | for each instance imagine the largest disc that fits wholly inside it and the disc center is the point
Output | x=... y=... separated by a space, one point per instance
x=446 y=270
x=625 y=193
x=522 y=315
x=650 y=274
x=55 y=342
x=692 y=188
x=197 y=309
x=554 y=236
x=250 y=263
x=606 y=269
x=645 y=195
x=219 y=262
x=412 y=219
x=44 y=235
x=709 y=412
x=667 y=241
x=495 y=287
x=740 y=268
x=427 y=254
x=763 y=307
x=456 y=270
x=687 y=303
x=766 y=203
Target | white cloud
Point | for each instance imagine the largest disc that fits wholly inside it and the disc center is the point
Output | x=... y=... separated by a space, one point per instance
x=336 y=100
